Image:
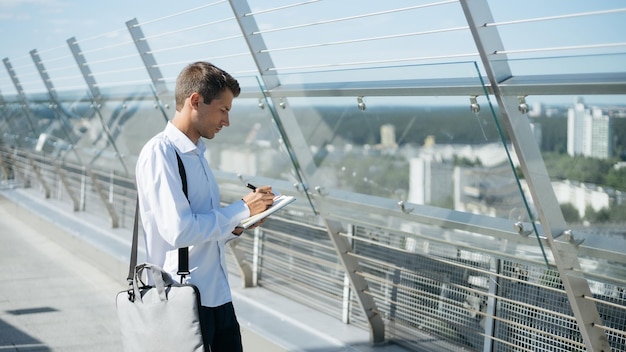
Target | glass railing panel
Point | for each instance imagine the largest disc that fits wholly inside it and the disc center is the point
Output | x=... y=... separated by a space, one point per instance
x=56 y=133
x=251 y=146
x=19 y=130
x=569 y=63
x=455 y=73
x=414 y=140
x=108 y=134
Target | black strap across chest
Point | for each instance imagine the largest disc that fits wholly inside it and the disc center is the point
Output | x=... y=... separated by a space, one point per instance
x=183 y=253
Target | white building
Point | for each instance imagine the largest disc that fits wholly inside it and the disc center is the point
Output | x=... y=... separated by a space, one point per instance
x=598 y=136
x=588 y=132
x=431 y=181
x=488 y=189
x=581 y=195
x=388 y=136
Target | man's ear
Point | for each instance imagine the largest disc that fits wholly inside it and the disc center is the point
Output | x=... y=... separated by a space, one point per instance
x=194 y=100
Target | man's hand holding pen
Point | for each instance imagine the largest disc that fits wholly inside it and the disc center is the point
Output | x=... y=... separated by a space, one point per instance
x=259 y=199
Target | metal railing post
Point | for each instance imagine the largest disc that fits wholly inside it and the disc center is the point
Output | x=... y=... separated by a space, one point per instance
x=160 y=88
x=303 y=163
x=146 y=56
x=244 y=268
x=54 y=102
x=96 y=96
x=22 y=98
x=347 y=288
x=66 y=185
x=22 y=170
x=115 y=222
x=536 y=175
x=4 y=167
x=83 y=188
x=11 y=129
x=257 y=247
x=490 y=310
x=40 y=178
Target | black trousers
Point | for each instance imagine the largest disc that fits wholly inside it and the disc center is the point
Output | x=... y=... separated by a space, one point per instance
x=220 y=328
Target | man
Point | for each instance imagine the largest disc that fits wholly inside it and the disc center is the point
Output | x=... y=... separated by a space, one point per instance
x=204 y=94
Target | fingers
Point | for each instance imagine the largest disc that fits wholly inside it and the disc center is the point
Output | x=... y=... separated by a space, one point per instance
x=259 y=200
x=268 y=199
x=264 y=189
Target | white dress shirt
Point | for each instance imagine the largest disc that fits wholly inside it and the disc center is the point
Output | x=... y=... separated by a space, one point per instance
x=171 y=222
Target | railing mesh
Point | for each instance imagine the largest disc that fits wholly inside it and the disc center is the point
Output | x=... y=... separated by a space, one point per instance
x=421 y=288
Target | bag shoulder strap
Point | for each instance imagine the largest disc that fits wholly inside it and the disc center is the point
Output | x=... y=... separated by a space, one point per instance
x=133 y=248
x=183 y=253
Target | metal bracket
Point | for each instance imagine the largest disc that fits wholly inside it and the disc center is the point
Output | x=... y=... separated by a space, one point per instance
x=404 y=208
x=519 y=227
x=568 y=236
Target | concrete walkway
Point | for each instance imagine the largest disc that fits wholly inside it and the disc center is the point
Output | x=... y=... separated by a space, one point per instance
x=53 y=297
x=62 y=270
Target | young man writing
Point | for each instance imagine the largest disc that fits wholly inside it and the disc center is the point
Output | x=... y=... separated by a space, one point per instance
x=204 y=94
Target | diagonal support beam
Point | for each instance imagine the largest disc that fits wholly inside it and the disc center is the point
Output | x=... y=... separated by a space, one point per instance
x=21 y=94
x=303 y=162
x=147 y=56
x=64 y=122
x=96 y=96
x=488 y=42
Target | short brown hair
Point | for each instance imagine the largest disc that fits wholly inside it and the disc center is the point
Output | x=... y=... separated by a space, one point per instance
x=205 y=79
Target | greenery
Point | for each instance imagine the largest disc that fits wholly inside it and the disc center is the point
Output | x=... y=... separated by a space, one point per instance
x=465 y=162
x=447 y=124
x=616 y=213
x=596 y=171
x=377 y=176
x=570 y=213
x=583 y=169
x=388 y=176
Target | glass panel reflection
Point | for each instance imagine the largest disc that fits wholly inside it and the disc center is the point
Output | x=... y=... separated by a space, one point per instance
x=444 y=151
x=252 y=145
x=105 y=135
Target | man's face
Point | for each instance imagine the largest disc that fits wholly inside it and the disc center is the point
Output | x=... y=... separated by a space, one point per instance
x=212 y=117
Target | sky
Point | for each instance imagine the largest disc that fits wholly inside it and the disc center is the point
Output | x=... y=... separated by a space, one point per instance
x=47 y=24
x=42 y=24
x=26 y=24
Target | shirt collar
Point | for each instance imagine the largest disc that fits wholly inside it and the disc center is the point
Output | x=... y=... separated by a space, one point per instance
x=182 y=142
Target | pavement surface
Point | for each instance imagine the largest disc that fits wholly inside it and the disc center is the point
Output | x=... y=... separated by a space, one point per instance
x=55 y=295
x=61 y=270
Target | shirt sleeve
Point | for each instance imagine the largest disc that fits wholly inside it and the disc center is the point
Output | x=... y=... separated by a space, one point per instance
x=166 y=210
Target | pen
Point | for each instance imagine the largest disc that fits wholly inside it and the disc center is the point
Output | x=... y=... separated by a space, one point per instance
x=251 y=187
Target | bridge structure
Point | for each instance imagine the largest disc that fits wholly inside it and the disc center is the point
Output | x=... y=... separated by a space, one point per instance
x=427 y=217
